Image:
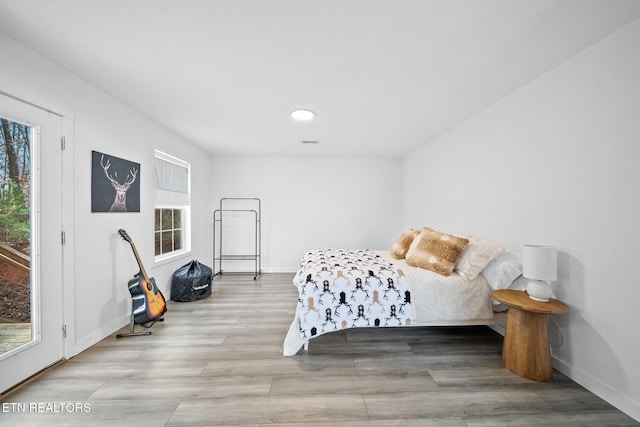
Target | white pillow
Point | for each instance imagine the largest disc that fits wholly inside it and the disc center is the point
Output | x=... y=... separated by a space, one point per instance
x=503 y=270
x=475 y=258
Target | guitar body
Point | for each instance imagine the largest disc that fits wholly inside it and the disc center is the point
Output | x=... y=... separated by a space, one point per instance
x=147 y=302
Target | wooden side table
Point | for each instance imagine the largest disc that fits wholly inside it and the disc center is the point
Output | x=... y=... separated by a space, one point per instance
x=525 y=349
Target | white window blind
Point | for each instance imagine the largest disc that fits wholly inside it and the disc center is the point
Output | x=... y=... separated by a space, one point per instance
x=171 y=180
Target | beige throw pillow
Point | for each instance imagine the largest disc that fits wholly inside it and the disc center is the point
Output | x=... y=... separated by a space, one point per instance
x=436 y=251
x=401 y=246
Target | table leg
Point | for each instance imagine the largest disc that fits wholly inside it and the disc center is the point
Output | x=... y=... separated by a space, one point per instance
x=526 y=345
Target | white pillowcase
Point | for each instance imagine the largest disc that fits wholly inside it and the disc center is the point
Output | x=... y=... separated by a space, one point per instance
x=475 y=258
x=503 y=270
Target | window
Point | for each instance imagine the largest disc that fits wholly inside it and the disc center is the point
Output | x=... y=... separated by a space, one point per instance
x=172 y=209
x=168 y=230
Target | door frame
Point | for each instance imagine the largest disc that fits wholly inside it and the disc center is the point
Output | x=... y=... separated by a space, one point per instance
x=68 y=225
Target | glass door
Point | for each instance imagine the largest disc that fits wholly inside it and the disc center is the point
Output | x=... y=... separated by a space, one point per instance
x=31 y=336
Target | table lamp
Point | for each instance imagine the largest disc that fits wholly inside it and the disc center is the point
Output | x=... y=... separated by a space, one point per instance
x=540 y=264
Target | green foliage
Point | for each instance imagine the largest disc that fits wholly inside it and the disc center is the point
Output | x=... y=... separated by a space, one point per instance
x=15 y=189
x=15 y=223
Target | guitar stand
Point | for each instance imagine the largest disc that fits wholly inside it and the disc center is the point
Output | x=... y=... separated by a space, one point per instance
x=137 y=334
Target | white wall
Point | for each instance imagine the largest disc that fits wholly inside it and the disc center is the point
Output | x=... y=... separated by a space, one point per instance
x=315 y=202
x=101 y=262
x=557 y=163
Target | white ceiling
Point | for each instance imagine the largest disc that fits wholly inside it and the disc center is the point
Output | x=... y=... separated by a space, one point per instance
x=383 y=76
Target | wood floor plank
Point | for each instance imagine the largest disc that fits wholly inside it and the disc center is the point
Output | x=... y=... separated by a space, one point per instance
x=142 y=412
x=607 y=418
x=57 y=389
x=270 y=410
x=318 y=384
x=415 y=422
x=187 y=388
x=286 y=366
x=452 y=403
x=219 y=361
x=131 y=369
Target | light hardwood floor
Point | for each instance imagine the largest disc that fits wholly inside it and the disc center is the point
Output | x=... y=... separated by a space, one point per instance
x=218 y=361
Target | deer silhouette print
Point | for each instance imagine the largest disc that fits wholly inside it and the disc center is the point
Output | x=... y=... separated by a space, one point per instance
x=120 y=200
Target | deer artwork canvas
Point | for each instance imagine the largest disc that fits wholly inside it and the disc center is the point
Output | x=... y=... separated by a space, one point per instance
x=115 y=184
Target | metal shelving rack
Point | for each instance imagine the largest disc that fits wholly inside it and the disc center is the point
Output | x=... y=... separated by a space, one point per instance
x=255 y=214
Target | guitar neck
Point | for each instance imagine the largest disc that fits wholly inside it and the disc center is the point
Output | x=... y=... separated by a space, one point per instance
x=142 y=270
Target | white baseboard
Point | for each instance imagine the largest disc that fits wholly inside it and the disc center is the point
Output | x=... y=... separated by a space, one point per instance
x=287 y=270
x=621 y=402
x=280 y=270
x=100 y=334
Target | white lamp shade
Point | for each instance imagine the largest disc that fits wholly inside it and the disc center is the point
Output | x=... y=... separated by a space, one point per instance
x=539 y=262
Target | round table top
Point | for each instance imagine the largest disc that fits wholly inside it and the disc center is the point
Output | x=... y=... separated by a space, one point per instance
x=521 y=300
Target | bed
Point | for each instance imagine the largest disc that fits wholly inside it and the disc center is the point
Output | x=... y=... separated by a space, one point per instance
x=352 y=288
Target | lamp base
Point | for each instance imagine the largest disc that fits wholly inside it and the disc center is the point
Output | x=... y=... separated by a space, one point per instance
x=539 y=290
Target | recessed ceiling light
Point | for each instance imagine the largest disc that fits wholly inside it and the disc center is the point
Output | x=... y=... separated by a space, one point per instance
x=302 y=115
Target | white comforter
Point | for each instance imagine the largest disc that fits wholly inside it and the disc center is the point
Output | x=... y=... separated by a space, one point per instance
x=436 y=297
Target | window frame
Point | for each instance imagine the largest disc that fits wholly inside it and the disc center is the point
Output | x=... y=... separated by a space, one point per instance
x=185 y=210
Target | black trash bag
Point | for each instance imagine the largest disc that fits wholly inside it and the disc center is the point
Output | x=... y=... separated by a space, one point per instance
x=191 y=282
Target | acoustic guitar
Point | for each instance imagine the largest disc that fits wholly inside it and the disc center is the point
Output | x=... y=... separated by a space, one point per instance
x=148 y=303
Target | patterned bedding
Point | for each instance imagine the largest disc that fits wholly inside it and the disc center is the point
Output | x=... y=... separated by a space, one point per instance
x=349 y=288
x=342 y=288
